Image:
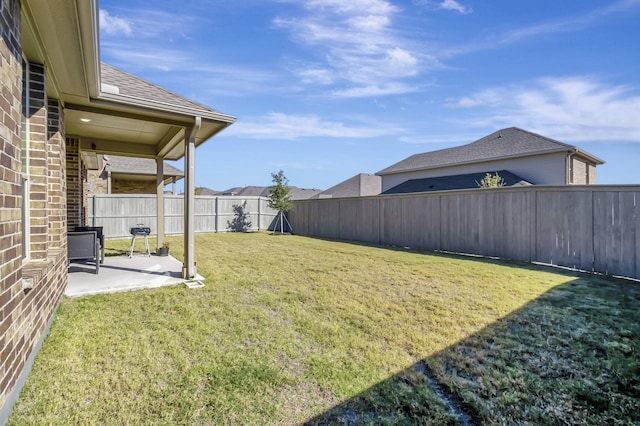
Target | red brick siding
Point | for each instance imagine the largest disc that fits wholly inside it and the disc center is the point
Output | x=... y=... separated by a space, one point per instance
x=38 y=196
x=29 y=292
x=10 y=186
x=74 y=184
x=122 y=186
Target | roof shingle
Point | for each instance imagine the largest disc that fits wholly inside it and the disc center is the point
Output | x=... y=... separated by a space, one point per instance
x=505 y=143
x=448 y=183
x=123 y=84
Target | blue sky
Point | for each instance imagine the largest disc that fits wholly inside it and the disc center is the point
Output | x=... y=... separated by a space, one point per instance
x=327 y=89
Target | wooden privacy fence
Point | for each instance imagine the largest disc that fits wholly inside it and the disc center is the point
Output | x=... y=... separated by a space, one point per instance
x=118 y=213
x=593 y=228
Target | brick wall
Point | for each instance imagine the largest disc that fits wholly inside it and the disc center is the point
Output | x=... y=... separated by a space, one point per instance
x=29 y=291
x=38 y=200
x=98 y=180
x=583 y=172
x=123 y=186
x=10 y=187
x=56 y=162
x=74 y=184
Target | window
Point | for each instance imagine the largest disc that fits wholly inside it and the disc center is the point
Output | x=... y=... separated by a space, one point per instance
x=24 y=136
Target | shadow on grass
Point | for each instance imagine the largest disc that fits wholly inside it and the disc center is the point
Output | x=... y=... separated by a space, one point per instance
x=569 y=357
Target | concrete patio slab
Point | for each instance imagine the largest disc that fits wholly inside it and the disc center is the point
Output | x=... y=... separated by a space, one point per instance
x=121 y=273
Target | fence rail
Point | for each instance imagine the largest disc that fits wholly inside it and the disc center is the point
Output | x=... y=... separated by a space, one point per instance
x=118 y=213
x=593 y=228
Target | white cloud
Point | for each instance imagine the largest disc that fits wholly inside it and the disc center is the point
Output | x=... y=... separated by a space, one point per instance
x=357 y=44
x=374 y=90
x=282 y=126
x=454 y=5
x=113 y=25
x=567 y=24
x=570 y=109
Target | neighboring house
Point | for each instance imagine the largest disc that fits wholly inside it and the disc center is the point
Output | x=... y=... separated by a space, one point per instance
x=260 y=191
x=58 y=104
x=115 y=174
x=531 y=157
x=359 y=185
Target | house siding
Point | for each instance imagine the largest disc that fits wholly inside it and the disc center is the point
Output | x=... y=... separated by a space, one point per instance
x=546 y=169
x=583 y=172
x=29 y=290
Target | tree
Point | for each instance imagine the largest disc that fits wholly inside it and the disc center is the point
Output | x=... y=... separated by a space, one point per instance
x=492 y=181
x=280 y=197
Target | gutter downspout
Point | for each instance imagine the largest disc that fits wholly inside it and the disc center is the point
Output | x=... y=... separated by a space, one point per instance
x=569 y=168
x=189 y=266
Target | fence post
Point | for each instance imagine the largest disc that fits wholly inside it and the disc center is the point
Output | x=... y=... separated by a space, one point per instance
x=216 y=215
x=259 y=218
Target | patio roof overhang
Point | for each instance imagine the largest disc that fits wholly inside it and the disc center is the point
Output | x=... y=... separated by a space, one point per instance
x=106 y=118
x=110 y=111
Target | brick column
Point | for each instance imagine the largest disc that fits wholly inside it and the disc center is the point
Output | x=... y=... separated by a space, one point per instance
x=56 y=163
x=38 y=162
x=74 y=183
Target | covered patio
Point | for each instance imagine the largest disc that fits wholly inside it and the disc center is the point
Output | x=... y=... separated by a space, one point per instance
x=121 y=273
x=109 y=111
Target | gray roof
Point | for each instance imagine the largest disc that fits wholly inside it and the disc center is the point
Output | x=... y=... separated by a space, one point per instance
x=117 y=82
x=359 y=185
x=138 y=166
x=261 y=191
x=505 y=143
x=447 y=183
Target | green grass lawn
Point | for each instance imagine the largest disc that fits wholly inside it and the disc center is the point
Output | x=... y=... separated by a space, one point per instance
x=291 y=330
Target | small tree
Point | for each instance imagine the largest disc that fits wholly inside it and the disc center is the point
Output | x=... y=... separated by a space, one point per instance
x=492 y=181
x=280 y=197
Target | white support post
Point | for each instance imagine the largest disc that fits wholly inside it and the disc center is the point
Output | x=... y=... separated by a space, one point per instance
x=189 y=267
x=159 y=201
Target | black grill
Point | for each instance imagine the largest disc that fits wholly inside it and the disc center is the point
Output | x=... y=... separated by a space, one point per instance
x=140 y=230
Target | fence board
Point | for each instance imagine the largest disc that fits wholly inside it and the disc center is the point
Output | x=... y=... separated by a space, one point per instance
x=593 y=228
x=118 y=213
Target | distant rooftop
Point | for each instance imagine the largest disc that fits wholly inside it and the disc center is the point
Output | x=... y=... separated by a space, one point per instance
x=261 y=191
x=362 y=184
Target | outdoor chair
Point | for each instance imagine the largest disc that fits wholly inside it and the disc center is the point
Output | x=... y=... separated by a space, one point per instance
x=98 y=230
x=84 y=245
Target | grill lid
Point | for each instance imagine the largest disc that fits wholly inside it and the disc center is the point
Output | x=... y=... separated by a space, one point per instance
x=140 y=230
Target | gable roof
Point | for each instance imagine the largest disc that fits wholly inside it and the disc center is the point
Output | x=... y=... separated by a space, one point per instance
x=506 y=143
x=359 y=185
x=138 y=166
x=448 y=183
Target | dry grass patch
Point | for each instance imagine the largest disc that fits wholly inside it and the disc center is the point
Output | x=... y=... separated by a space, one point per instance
x=291 y=329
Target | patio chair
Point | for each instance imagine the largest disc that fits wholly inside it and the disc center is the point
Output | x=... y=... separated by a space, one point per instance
x=98 y=230
x=84 y=245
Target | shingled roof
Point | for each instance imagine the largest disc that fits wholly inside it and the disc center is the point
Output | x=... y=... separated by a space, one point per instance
x=124 y=85
x=261 y=191
x=138 y=166
x=362 y=184
x=448 y=183
x=506 y=143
